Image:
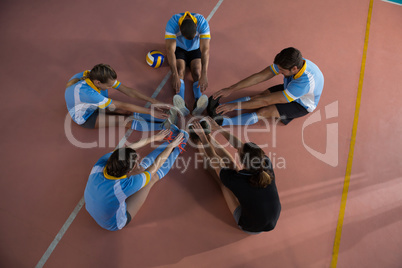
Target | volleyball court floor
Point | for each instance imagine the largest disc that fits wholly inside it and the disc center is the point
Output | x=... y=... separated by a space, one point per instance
x=338 y=169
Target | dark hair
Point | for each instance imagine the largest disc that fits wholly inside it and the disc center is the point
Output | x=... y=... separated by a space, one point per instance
x=255 y=161
x=101 y=72
x=188 y=29
x=121 y=162
x=288 y=58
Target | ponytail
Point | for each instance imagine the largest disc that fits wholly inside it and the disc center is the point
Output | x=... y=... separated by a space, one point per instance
x=101 y=72
x=75 y=80
x=255 y=161
x=261 y=179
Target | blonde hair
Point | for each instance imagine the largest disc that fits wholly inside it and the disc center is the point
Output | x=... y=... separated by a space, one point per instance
x=101 y=72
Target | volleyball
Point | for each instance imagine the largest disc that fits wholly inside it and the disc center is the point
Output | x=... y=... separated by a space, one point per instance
x=155 y=58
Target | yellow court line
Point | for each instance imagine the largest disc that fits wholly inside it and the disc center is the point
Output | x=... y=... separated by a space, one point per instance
x=335 y=251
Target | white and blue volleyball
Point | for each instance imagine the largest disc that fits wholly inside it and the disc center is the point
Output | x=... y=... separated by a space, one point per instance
x=155 y=58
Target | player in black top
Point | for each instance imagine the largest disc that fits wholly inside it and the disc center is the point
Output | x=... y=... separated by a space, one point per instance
x=251 y=192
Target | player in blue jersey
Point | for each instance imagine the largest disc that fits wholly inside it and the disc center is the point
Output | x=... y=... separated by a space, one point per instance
x=87 y=100
x=112 y=195
x=187 y=39
x=298 y=95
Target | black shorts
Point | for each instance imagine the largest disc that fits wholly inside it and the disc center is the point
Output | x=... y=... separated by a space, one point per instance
x=187 y=56
x=288 y=111
x=91 y=121
x=128 y=218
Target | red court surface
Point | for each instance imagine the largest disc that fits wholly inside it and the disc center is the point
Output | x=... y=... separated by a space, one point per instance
x=185 y=221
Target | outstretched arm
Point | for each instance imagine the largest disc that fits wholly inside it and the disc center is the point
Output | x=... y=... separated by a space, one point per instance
x=252 y=80
x=157 y=137
x=232 y=139
x=135 y=201
x=223 y=153
x=125 y=106
x=164 y=155
x=255 y=102
x=216 y=156
x=137 y=94
x=208 y=148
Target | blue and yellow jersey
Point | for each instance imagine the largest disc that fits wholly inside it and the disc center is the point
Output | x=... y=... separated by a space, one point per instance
x=83 y=98
x=105 y=195
x=305 y=87
x=173 y=30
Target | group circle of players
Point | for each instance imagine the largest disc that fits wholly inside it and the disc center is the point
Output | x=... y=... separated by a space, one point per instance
x=119 y=182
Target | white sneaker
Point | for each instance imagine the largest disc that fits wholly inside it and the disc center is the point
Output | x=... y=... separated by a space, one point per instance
x=172 y=119
x=179 y=103
x=201 y=105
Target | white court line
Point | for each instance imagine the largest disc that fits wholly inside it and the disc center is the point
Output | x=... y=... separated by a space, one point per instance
x=72 y=216
x=80 y=204
x=214 y=10
x=60 y=234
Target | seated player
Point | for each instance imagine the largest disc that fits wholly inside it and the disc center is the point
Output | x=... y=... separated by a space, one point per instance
x=87 y=98
x=187 y=39
x=296 y=97
x=113 y=196
x=251 y=192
